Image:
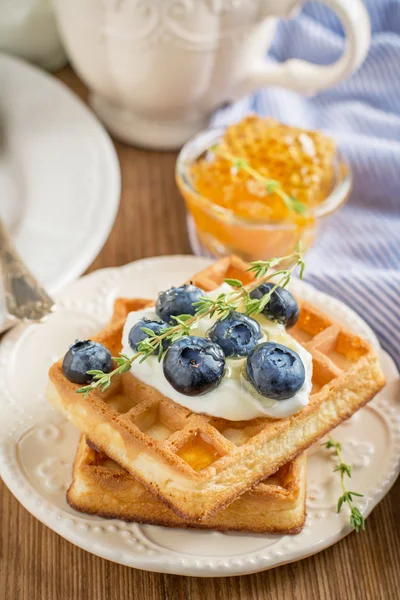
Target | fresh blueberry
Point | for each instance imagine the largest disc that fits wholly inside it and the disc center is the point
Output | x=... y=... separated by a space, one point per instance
x=178 y=301
x=282 y=306
x=237 y=334
x=136 y=335
x=194 y=365
x=85 y=356
x=275 y=370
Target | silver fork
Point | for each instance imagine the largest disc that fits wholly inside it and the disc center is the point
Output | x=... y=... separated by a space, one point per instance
x=26 y=300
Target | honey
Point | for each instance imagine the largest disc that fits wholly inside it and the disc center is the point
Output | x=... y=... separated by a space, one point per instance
x=236 y=212
x=301 y=161
x=198 y=452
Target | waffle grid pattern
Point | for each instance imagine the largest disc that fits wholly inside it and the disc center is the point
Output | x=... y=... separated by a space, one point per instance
x=146 y=432
x=100 y=486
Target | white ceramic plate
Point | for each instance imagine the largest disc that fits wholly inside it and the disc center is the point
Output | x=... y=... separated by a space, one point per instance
x=59 y=175
x=37 y=445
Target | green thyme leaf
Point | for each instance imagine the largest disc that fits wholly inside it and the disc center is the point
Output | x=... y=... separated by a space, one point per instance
x=234 y=283
x=84 y=390
x=148 y=331
x=343 y=468
x=104 y=384
x=182 y=318
x=296 y=205
x=302 y=268
x=119 y=360
x=355 y=494
x=271 y=186
x=357 y=521
x=240 y=163
x=341 y=500
x=331 y=443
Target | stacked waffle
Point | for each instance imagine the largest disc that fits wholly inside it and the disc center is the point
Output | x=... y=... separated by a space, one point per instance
x=144 y=458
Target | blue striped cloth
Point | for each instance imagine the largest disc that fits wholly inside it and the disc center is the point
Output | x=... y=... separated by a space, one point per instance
x=357 y=257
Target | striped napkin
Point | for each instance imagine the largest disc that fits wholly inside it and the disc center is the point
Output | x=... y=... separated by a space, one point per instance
x=357 y=256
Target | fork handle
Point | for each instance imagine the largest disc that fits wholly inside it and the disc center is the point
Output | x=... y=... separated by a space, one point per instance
x=26 y=300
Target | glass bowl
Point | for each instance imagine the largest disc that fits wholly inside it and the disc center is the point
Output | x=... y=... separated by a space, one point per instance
x=221 y=232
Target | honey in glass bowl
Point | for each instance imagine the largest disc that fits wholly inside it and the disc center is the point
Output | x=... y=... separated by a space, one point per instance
x=237 y=181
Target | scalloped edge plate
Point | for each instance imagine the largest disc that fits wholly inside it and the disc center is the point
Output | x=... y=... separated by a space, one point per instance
x=59 y=173
x=37 y=445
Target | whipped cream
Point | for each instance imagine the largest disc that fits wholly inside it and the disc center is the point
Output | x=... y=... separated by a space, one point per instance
x=235 y=398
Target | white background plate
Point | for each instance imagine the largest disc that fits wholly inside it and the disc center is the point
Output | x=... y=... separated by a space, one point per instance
x=37 y=445
x=59 y=175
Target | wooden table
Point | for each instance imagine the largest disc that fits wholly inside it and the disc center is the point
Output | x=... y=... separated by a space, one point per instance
x=37 y=564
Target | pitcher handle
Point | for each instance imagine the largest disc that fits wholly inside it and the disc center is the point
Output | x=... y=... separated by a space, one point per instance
x=307 y=78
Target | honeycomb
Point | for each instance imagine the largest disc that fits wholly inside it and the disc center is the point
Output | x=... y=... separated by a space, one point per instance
x=301 y=161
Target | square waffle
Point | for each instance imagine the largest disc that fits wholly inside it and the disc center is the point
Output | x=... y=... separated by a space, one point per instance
x=101 y=487
x=150 y=435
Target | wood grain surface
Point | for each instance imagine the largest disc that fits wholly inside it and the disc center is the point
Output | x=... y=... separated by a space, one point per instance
x=37 y=564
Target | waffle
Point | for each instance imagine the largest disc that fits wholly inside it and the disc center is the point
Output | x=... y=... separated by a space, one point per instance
x=150 y=436
x=103 y=488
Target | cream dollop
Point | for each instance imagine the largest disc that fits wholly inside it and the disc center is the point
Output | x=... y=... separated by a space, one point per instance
x=235 y=398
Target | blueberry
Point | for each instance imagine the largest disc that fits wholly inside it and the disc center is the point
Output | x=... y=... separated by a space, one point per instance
x=136 y=335
x=85 y=356
x=177 y=301
x=237 y=334
x=275 y=370
x=282 y=306
x=194 y=365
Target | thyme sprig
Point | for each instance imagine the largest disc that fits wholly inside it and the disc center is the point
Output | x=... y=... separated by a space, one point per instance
x=271 y=186
x=206 y=307
x=357 y=521
x=224 y=303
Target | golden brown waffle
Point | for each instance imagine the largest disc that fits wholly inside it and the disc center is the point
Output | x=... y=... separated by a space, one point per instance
x=149 y=435
x=103 y=488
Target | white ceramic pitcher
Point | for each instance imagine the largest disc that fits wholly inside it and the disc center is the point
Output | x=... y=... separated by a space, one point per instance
x=157 y=69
